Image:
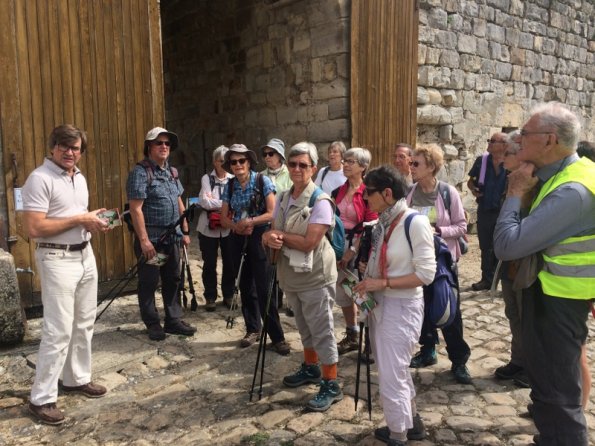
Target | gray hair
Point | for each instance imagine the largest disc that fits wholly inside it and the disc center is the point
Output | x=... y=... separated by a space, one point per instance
x=563 y=122
x=362 y=156
x=304 y=148
x=340 y=146
x=219 y=152
x=512 y=141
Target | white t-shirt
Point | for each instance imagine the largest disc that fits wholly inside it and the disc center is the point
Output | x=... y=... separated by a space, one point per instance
x=332 y=180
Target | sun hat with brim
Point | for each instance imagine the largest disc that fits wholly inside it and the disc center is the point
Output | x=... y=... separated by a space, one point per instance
x=154 y=133
x=277 y=145
x=239 y=149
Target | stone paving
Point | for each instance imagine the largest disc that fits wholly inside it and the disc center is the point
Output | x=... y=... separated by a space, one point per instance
x=195 y=391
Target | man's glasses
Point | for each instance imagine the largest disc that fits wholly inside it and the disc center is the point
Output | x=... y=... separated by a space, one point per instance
x=414 y=163
x=241 y=161
x=269 y=153
x=162 y=143
x=526 y=132
x=494 y=141
x=294 y=164
x=65 y=149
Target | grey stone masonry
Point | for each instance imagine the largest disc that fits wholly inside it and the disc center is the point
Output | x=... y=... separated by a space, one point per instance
x=12 y=317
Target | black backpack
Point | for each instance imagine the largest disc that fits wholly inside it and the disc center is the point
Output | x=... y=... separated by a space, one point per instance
x=442 y=295
x=150 y=171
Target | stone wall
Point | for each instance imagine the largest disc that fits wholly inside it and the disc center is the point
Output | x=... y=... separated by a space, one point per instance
x=246 y=71
x=484 y=64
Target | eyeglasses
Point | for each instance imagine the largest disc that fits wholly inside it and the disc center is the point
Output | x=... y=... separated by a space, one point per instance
x=494 y=141
x=370 y=190
x=414 y=163
x=65 y=149
x=241 y=161
x=350 y=161
x=162 y=143
x=526 y=132
x=301 y=166
x=269 y=153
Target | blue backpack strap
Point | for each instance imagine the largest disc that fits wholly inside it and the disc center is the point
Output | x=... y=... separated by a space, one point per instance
x=314 y=196
x=444 y=192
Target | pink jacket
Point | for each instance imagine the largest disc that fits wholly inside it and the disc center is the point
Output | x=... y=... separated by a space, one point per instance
x=364 y=214
x=450 y=225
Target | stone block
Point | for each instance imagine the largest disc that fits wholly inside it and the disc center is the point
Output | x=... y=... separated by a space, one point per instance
x=449 y=98
x=446 y=133
x=254 y=57
x=467 y=44
x=535 y=13
x=343 y=65
x=316 y=69
x=445 y=39
x=536 y=28
x=426 y=35
x=329 y=130
x=421 y=54
x=437 y=18
x=423 y=96
x=301 y=43
x=457 y=79
x=338 y=88
x=503 y=71
x=433 y=56
x=449 y=58
x=483 y=49
x=517 y=56
x=338 y=108
x=456 y=23
x=456 y=114
x=327 y=40
x=470 y=63
x=479 y=27
x=450 y=151
x=496 y=33
x=470 y=81
x=434 y=96
x=13 y=324
x=287 y=115
x=517 y=7
x=329 y=71
x=502 y=5
x=457 y=173
x=548 y=62
x=433 y=115
x=319 y=112
x=526 y=41
x=470 y=9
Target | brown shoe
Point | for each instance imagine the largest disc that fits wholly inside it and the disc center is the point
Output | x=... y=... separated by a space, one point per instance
x=282 y=348
x=90 y=390
x=47 y=413
x=349 y=343
x=249 y=339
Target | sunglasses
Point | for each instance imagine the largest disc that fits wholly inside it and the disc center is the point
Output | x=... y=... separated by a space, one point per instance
x=241 y=161
x=301 y=166
x=269 y=153
x=162 y=143
x=414 y=163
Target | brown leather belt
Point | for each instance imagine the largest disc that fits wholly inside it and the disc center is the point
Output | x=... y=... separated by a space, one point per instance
x=78 y=247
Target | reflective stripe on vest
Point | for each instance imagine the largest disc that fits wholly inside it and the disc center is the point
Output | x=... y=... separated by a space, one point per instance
x=569 y=266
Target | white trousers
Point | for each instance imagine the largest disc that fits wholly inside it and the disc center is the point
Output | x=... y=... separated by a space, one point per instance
x=394 y=335
x=69 y=297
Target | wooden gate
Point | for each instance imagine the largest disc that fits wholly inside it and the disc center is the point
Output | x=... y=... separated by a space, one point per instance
x=93 y=63
x=383 y=75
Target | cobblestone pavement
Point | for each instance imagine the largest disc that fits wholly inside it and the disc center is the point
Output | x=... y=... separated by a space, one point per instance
x=195 y=391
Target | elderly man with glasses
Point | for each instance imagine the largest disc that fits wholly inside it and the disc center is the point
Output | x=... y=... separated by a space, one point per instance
x=487 y=180
x=557 y=238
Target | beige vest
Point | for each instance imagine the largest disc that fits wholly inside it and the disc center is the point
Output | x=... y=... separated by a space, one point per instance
x=324 y=265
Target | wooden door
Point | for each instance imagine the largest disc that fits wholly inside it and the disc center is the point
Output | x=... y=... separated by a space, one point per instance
x=383 y=75
x=93 y=63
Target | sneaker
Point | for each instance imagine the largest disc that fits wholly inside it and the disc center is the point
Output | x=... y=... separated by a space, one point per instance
x=210 y=306
x=47 y=413
x=481 y=285
x=249 y=339
x=179 y=327
x=349 y=343
x=156 y=332
x=507 y=371
x=424 y=358
x=461 y=373
x=417 y=432
x=521 y=380
x=282 y=348
x=90 y=390
x=306 y=374
x=329 y=393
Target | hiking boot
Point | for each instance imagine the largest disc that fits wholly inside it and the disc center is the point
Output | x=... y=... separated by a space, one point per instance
x=417 y=432
x=366 y=356
x=90 y=390
x=349 y=343
x=47 y=413
x=306 y=374
x=424 y=358
x=282 y=348
x=507 y=371
x=461 y=373
x=249 y=339
x=179 y=327
x=521 y=380
x=210 y=306
x=329 y=393
x=481 y=285
x=156 y=332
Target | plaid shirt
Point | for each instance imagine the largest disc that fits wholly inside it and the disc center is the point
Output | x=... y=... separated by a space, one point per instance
x=160 y=198
x=241 y=198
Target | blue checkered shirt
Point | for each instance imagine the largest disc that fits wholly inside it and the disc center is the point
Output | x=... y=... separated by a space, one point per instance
x=160 y=198
x=241 y=198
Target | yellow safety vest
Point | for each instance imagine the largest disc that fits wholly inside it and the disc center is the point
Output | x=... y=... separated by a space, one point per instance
x=569 y=266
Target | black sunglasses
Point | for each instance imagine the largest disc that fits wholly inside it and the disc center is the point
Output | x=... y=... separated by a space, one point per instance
x=269 y=153
x=162 y=143
x=242 y=161
x=294 y=164
x=414 y=163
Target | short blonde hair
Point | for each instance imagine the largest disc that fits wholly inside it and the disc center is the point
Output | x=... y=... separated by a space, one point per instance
x=432 y=154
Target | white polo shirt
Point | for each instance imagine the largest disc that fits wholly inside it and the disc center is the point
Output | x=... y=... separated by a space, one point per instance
x=50 y=189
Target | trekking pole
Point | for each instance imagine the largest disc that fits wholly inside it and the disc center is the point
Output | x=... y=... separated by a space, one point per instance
x=193 y=302
x=230 y=321
x=263 y=338
x=182 y=289
x=368 y=383
x=359 y=362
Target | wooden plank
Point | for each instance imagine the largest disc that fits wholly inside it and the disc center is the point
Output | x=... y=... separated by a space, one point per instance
x=54 y=61
x=43 y=13
x=65 y=66
x=141 y=114
x=156 y=66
